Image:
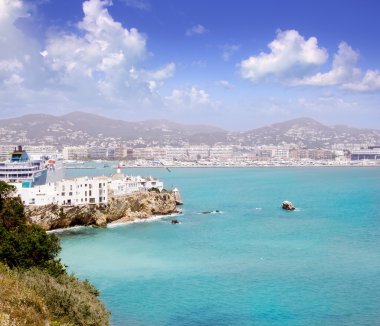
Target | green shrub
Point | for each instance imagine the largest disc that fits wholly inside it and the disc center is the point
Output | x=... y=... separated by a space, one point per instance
x=26 y=246
x=69 y=300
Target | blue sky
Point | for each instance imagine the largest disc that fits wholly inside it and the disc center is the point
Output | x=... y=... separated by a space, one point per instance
x=234 y=64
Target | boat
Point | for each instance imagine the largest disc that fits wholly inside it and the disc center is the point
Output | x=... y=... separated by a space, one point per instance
x=21 y=169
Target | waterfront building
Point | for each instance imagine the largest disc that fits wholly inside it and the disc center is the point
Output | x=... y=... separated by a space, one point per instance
x=75 y=153
x=221 y=152
x=372 y=153
x=98 y=152
x=86 y=190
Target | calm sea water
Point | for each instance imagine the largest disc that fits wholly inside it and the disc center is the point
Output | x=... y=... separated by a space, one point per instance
x=254 y=264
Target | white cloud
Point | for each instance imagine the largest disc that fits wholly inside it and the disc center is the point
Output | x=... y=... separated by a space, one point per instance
x=224 y=83
x=196 y=30
x=106 y=45
x=11 y=65
x=98 y=64
x=139 y=4
x=163 y=73
x=229 y=50
x=370 y=82
x=18 y=53
x=343 y=69
x=189 y=98
x=14 y=79
x=153 y=78
x=288 y=53
x=345 y=73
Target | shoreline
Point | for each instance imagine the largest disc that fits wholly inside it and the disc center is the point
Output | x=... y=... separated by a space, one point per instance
x=116 y=223
x=217 y=166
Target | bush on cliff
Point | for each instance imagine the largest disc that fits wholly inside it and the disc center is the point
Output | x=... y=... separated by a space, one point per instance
x=34 y=286
x=19 y=305
x=22 y=244
x=33 y=297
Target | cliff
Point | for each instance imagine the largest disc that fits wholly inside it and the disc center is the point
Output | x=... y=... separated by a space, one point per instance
x=123 y=208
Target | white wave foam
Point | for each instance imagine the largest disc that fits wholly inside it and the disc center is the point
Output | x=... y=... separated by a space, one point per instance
x=140 y=220
x=71 y=228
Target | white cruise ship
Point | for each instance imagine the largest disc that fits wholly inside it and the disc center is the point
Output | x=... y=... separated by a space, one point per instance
x=21 y=169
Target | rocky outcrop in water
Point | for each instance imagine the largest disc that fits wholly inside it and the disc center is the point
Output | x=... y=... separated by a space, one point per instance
x=122 y=208
x=288 y=205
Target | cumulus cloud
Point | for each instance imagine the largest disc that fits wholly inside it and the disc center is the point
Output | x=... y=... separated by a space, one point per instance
x=196 y=30
x=345 y=73
x=163 y=73
x=189 y=98
x=106 y=45
x=343 y=69
x=370 y=82
x=98 y=64
x=18 y=53
x=288 y=52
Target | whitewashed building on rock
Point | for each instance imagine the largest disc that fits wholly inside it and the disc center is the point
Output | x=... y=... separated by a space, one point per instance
x=85 y=190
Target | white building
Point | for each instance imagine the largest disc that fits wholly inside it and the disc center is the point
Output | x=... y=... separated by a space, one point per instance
x=76 y=191
x=75 y=153
x=86 y=190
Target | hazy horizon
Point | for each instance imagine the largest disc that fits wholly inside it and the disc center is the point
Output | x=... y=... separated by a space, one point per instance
x=236 y=65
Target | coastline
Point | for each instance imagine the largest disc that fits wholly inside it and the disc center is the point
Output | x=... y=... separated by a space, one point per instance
x=133 y=207
x=120 y=222
x=265 y=164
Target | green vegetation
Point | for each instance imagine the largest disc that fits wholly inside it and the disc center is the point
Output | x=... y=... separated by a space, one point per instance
x=35 y=289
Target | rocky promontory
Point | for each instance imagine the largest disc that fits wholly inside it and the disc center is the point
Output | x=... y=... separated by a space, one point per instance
x=119 y=208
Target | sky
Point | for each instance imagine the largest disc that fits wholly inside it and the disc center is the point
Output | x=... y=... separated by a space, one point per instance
x=235 y=64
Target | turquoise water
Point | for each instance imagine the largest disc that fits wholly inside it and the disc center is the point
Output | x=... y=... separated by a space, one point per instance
x=254 y=264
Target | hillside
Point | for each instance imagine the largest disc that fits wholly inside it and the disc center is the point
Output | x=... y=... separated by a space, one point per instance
x=309 y=133
x=79 y=128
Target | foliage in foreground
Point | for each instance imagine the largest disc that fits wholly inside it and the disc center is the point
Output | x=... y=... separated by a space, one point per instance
x=34 y=286
x=22 y=244
x=34 y=297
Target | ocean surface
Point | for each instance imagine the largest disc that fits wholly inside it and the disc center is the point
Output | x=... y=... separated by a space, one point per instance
x=252 y=264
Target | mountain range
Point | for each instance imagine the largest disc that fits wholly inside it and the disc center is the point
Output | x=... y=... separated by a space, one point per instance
x=79 y=128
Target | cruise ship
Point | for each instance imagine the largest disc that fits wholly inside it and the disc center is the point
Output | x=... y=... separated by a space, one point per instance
x=21 y=169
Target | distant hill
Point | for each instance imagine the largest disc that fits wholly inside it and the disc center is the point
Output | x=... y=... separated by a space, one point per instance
x=79 y=128
x=309 y=133
x=83 y=128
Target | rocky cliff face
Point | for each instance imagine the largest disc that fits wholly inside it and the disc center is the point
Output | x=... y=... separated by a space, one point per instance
x=123 y=208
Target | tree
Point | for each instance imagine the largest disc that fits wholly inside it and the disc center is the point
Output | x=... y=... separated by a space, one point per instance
x=22 y=244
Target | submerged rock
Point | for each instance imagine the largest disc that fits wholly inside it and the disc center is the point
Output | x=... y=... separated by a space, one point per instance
x=174 y=222
x=288 y=205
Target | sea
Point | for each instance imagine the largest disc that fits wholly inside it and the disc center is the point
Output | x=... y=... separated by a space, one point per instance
x=237 y=258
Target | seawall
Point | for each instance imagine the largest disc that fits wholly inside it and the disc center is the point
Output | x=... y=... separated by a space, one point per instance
x=123 y=208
